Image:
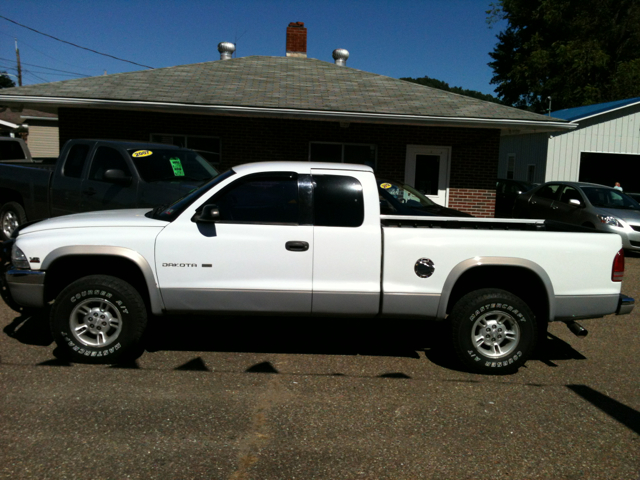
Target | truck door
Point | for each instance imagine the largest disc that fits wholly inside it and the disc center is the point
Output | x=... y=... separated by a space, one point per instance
x=67 y=179
x=256 y=258
x=347 y=243
x=98 y=193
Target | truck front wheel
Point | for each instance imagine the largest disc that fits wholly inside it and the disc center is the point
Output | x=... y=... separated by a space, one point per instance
x=494 y=332
x=98 y=319
x=12 y=215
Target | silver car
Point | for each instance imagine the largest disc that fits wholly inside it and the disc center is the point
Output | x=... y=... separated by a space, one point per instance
x=586 y=204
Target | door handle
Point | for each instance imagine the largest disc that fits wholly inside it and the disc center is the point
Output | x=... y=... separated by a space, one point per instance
x=89 y=191
x=296 y=246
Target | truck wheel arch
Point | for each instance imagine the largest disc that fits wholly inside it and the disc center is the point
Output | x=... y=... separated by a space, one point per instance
x=85 y=252
x=455 y=286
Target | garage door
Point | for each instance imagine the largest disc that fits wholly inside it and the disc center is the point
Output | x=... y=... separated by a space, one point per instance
x=609 y=168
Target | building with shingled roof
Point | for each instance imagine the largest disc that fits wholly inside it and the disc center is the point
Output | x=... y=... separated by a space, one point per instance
x=240 y=110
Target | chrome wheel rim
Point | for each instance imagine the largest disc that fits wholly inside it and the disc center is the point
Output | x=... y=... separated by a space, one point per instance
x=495 y=334
x=95 y=322
x=9 y=223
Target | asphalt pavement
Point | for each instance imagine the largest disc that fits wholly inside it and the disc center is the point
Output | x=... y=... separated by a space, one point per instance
x=298 y=398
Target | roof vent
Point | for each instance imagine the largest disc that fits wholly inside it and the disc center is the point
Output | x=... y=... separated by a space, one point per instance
x=340 y=56
x=226 y=49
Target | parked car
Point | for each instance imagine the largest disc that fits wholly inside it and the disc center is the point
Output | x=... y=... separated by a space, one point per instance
x=586 y=204
x=95 y=175
x=507 y=191
x=397 y=198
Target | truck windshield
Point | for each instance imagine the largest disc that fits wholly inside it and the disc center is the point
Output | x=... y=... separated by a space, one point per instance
x=169 y=213
x=609 y=198
x=404 y=194
x=172 y=165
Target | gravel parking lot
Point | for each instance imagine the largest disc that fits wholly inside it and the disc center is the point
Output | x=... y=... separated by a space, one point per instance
x=271 y=398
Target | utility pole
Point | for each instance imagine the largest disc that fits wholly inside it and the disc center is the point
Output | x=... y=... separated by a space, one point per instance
x=19 y=66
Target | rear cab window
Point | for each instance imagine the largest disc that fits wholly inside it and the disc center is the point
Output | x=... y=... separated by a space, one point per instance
x=337 y=201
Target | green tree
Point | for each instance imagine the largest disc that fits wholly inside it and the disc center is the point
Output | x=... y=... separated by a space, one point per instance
x=5 y=81
x=439 y=84
x=578 y=52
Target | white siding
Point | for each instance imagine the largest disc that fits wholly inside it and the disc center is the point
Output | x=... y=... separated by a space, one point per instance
x=43 y=140
x=529 y=150
x=616 y=132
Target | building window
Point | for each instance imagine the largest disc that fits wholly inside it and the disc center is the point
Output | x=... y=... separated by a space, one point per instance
x=363 y=154
x=511 y=165
x=531 y=173
x=207 y=147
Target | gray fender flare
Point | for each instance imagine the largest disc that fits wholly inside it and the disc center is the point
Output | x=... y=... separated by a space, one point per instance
x=465 y=265
x=157 y=305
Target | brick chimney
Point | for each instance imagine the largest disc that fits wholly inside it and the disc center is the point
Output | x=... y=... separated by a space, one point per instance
x=296 y=40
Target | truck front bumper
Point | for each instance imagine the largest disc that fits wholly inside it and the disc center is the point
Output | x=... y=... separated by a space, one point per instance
x=24 y=287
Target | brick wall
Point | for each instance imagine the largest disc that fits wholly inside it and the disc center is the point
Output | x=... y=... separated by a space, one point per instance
x=474 y=152
x=478 y=202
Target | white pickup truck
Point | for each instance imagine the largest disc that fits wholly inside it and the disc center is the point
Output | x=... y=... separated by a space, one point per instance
x=299 y=238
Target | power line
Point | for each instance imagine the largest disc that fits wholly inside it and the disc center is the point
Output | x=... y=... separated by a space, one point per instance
x=25 y=44
x=73 y=44
x=38 y=77
x=47 y=68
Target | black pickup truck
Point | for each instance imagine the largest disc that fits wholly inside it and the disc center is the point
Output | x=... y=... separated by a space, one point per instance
x=98 y=175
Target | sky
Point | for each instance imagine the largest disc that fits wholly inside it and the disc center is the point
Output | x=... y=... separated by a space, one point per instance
x=444 y=39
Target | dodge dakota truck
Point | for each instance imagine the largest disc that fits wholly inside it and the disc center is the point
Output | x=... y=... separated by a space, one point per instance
x=308 y=239
x=96 y=175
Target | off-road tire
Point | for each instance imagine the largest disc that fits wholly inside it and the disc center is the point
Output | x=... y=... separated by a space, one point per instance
x=494 y=332
x=98 y=319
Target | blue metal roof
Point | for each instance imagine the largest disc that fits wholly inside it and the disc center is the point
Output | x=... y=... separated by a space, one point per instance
x=578 y=113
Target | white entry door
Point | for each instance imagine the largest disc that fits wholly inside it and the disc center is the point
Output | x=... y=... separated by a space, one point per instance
x=427 y=169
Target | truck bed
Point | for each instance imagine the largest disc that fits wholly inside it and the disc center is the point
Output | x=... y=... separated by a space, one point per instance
x=404 y=221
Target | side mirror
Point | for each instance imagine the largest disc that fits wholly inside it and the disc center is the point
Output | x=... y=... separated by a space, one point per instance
x=575 y=202
x=117 y=176
x=209 y=214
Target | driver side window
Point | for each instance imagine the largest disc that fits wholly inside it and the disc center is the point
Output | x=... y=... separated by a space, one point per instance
x=107 y=158
x=570 y=193
x=549 y=192
x=261 y=198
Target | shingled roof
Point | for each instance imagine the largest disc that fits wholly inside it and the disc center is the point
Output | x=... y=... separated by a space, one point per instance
x=276 y=86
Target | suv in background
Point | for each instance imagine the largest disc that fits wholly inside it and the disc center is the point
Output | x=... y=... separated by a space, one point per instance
x=506 y=193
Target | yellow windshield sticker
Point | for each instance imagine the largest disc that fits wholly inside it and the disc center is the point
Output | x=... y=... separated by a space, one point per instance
x=142 y=153
x=176 y=164
x=385 y=185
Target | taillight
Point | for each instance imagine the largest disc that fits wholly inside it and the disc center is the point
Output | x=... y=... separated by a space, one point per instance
x=617 y=272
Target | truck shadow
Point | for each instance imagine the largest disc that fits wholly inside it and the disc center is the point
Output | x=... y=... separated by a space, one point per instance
x=286 y=335
x=30 y=330
x=297 y=335
x=324 y=336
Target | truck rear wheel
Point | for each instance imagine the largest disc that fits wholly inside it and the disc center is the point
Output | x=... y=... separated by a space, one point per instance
x=98 y=319
x=12 y=215
x=494 y=331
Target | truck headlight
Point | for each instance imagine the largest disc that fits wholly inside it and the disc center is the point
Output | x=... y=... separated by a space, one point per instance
x=18 y=258
x=610 y=220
